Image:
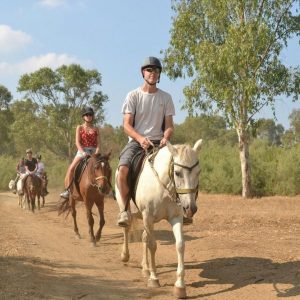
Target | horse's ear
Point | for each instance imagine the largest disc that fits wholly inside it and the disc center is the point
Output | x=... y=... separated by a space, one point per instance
x=197 y=145
x=107 y=155
x=172 y=149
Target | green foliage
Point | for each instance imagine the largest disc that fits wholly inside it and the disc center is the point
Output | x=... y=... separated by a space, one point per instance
x=288 y=172
x=267 y=130
x=5 y=97
x=60 y=96
x=6 y=144
x=205 y=127
x=294 y=118
x=112 y=139
x=231 y=51
x=220 y=169
x=264 y=159
x=26 y=129
x=7 y=171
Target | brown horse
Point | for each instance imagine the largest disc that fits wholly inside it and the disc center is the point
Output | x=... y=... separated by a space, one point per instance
x=32 y=189
x=93 y=185
x=43 y=191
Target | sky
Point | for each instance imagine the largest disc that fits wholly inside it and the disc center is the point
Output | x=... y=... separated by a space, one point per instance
x=112 y=36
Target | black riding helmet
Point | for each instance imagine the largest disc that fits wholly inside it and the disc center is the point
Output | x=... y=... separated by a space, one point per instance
x=87 y=110
x=151 y=61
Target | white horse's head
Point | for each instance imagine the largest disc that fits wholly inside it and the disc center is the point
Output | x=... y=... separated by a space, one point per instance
x=186 y=170
x=11 y=184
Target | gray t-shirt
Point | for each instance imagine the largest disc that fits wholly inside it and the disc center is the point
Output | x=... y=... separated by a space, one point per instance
x=149 y=111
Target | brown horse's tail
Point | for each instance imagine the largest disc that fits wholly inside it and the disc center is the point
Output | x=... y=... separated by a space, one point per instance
x=64 y=206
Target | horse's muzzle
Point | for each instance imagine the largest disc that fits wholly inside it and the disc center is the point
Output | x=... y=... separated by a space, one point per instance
x=189 y=211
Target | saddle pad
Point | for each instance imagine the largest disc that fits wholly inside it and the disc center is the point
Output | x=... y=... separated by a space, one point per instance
x=79 y=171
x=136 y=168
x=134 y=171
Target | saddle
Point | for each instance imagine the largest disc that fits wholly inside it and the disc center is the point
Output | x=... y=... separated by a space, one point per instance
x=135 y=168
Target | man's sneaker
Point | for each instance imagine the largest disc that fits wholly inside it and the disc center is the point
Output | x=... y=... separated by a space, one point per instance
x=124 y=219
x=65 y=194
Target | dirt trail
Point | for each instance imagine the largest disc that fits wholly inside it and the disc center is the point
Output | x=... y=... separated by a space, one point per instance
x=236 y=249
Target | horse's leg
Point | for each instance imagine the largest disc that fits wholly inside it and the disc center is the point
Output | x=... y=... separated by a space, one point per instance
x=74 y=213
x=28 y=201
x=148 y=235
x=39 y=204
x=125 y=249
x=90 y=219
x=43 y=201
x=145 y=261
x=32 y=203
x=20 y=201
x=100 y=206
x=179 y=287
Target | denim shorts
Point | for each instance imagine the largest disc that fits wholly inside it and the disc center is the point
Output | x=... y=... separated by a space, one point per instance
x=128 y=153
x=88 y=150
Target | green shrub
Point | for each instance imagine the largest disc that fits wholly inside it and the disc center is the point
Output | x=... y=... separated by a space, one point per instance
x=220 y=169
x=7 y=171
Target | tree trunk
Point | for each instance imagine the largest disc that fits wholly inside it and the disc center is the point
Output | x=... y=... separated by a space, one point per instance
x=245 y=165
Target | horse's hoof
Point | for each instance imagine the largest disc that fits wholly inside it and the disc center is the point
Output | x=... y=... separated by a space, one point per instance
x=125 y=257
x=179 y=292
x=153 y=283
x=145 y=273
x=77 y=235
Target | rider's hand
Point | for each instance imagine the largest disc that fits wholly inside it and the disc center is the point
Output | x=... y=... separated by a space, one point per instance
x=163 y=142
x=145 y=143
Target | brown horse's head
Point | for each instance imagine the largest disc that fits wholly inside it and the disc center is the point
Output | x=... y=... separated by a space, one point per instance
x=101 y=172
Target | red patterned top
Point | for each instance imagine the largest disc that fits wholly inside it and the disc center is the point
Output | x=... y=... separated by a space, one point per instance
x=88 y=138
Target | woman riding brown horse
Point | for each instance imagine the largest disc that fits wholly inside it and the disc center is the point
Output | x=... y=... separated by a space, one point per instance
x=92 y=181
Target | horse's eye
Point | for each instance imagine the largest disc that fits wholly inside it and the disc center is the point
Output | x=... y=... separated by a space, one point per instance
x=177 y=173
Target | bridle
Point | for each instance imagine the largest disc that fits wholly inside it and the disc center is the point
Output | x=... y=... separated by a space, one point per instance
x=171 y=176
x=96 y=184
x=174 y=191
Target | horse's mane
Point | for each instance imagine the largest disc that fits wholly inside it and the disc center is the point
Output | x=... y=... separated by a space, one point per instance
x=186 y=153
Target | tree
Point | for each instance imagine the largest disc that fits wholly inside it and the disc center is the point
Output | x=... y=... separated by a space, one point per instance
x=203 y=126
x=294 y=118
x=230 y=49
x=5 y=97
x=6 y=118
x=266 y=129
x=60 y=95
x=27 y=130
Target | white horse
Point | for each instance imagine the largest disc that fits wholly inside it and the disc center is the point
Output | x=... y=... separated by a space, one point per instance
x=167 y=189
x=11 y=186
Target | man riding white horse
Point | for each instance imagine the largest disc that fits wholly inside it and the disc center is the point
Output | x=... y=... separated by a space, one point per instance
x=148 y=117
